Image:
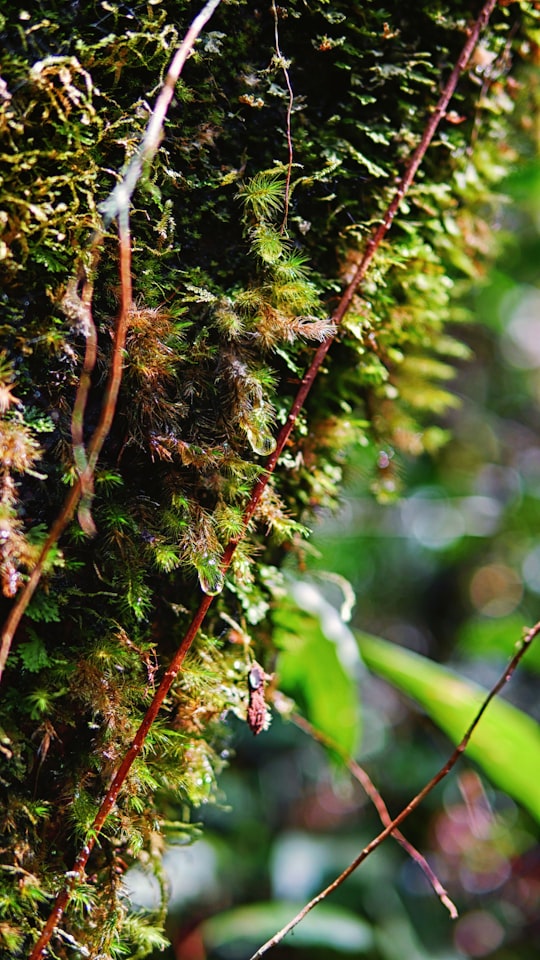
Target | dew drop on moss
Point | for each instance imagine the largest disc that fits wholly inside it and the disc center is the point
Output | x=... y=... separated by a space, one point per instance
x=261 y=443
x=211 y=579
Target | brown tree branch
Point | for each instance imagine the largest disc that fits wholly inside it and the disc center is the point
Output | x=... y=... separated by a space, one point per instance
x=414 y=803
x=116 y=203
x=370 y=789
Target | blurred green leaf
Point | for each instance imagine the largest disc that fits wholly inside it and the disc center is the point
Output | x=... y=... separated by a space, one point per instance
x=506 y=743
x=481 y=637
x=524 y=183
x=315 y=665
x=327 y=926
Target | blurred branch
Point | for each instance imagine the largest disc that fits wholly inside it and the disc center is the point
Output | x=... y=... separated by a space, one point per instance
x=414 y=803
x=371 y=791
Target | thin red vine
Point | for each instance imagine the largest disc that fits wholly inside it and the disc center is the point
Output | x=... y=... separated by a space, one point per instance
x=414 y=803
x=371 y=791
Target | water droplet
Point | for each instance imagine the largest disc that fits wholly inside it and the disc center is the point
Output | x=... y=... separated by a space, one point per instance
x=211 y=580
x=261 y=443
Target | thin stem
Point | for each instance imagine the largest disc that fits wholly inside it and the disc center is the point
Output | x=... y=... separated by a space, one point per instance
x=414 y=803
x=373 y=244
x=115 y=373
x=84 y=483
x=77 y=418
x=370 y=789
x=284 y=66
x=26 y=594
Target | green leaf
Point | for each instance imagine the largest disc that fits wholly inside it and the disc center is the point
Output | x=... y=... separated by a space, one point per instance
x=33 y=654
x=317 y=665
x=488 y=637
x=331 y=927
x=44 y=608
x=506 y=743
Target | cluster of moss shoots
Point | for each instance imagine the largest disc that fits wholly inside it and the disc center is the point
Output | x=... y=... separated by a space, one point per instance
x=236 y=272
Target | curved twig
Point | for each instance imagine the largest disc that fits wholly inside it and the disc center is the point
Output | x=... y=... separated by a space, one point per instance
x=370 y=789
x=83 y=486
x=414 y=803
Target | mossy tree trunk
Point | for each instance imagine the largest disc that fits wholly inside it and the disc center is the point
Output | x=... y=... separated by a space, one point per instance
x=282 y=147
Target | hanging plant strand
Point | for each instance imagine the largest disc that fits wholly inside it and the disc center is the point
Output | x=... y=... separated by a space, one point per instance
x=282 y=62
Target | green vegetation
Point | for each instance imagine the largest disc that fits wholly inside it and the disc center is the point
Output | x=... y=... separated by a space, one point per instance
x=238 y=260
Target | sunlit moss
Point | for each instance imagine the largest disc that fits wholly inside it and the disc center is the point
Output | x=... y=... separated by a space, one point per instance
x=229 y=303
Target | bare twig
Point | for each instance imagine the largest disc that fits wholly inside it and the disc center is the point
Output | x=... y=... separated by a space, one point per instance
x=414 y=803
x=284 y=64
x=116 y=205
x=26 y=594
x=115 y=373
x=370 y=789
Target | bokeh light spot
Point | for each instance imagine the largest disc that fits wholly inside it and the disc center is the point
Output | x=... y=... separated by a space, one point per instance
x=496 y=590
x=478 y=933
x=521 y=341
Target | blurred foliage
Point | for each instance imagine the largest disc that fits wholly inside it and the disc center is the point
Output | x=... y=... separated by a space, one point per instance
x=507 y=742
x=315 y=665
x=229 y=301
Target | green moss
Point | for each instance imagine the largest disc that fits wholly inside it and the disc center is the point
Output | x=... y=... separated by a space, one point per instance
x=229 y=303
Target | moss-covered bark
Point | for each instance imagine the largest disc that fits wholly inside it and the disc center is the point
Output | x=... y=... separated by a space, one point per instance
x=235 y=277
